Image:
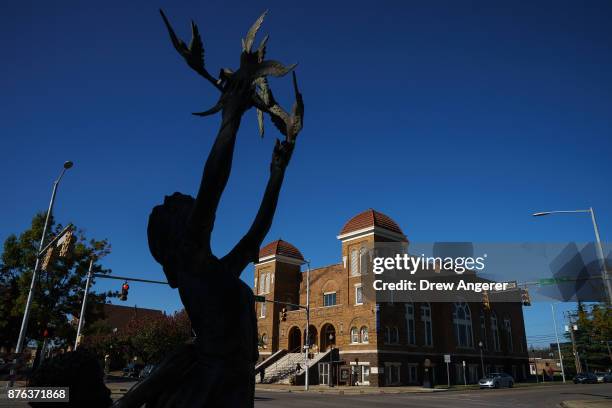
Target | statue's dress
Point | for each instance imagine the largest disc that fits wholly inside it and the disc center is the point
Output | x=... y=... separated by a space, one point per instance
x=217 y=369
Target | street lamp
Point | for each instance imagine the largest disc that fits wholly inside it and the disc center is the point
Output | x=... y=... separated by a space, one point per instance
x=602 y=259
x=28 y=306
x=480 y=344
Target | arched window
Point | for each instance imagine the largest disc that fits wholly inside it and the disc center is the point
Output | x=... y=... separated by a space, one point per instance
x=462 y=321
x=483 y=330
x=267 y=283
x=426 y=318
x=411 y=333
x=495 y=332
x=354 y=335
x=264 y=340
x=364 y=334
x=363 y=261
x=508 y=330
x=354 y=262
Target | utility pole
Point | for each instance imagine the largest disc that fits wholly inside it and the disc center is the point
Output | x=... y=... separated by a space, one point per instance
x=306 y=334
x=574 y=350
x=552 y=305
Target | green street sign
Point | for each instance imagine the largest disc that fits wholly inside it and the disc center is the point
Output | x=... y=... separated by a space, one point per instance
x=260 y=298
x=552 y=281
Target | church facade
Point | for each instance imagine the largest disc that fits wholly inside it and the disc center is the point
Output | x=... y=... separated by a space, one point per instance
x=380 y=344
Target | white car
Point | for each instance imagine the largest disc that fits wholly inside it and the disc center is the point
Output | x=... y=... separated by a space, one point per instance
x=496 y=380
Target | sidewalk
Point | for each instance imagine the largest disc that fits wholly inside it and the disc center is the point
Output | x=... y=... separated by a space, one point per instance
x=586 y=404
x=323 y=389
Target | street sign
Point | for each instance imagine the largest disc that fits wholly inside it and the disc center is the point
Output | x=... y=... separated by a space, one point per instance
x=553 y=281
x=260 y=298
x=447 y=358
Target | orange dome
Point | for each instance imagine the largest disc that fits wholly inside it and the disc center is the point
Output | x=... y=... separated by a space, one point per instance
x=370 y=218
x=280 y=247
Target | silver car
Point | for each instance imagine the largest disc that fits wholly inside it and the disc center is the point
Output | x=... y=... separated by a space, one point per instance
x=496 y=380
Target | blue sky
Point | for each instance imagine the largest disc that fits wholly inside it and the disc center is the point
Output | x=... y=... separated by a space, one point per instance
x=457 y=119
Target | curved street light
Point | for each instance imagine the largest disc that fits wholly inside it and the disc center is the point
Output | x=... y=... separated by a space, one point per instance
x=28 y=306
x=604 y=270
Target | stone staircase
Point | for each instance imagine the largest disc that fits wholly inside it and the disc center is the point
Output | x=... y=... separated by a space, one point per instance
x=284 y=371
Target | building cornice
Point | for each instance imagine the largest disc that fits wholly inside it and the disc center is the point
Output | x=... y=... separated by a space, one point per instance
x=280 y=258
x=373 y=230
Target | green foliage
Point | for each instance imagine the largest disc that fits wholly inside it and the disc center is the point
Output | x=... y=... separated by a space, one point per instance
x=59 y=288
x=149 y=338
x=593 y=338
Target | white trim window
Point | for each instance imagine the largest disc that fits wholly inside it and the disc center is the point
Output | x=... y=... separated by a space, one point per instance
x=411 y=332
x=495 y=333
x=462 y=322
x=354 y=262
x=508 y=330
x=392 y=373
x=413 y=377
x=363 y=261
x=354 y=335
x=262 y=283
x=358 y=294
x=262 y=310
x=329 y=299
x=427 y=324
x=363 y=334
x=268 y=282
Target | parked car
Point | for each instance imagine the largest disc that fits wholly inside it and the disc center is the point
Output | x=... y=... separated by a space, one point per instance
x=607 y=378
x=600 y=376
x=496 y=380
x=585 y=378
x=132 y=370
x=148 y=369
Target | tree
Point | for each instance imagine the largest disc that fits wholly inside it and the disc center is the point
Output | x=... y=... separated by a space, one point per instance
x=152 y=338
x=59 y=287
x=592 y=337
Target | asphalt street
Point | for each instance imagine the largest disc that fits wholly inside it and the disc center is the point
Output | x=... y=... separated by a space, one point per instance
x=525 y=397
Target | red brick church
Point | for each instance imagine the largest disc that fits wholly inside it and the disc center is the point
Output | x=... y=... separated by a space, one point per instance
x=359 y=341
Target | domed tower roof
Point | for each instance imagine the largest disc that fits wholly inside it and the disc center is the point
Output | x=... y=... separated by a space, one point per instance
x=371 y=220
x=280 y=248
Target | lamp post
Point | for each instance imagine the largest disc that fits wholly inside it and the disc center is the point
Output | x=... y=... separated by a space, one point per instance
x=480 y=345
x=600 y=254
x=28 y=306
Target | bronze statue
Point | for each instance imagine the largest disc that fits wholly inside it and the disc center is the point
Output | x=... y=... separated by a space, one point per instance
x=217 y=370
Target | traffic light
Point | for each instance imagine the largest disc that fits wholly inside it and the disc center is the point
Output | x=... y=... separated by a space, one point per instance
x=485 y=300
x=525 y=298
x=66 y=240
x=47 y=259
x=283 y=314
x=124 y=291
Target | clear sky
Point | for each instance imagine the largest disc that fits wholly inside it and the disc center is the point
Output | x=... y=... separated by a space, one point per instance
x=458 y=119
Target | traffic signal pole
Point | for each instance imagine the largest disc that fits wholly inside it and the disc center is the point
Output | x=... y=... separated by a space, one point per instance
x=90 y=276
x=84 y=303
x=28 y=306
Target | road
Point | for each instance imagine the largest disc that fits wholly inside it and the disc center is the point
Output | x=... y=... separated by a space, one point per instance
x=524 y=397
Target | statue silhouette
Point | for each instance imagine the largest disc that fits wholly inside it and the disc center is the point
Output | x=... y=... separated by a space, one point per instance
x=217 y=369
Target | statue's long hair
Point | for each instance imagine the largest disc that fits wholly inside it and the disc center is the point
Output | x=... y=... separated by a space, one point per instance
x=165 y=232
